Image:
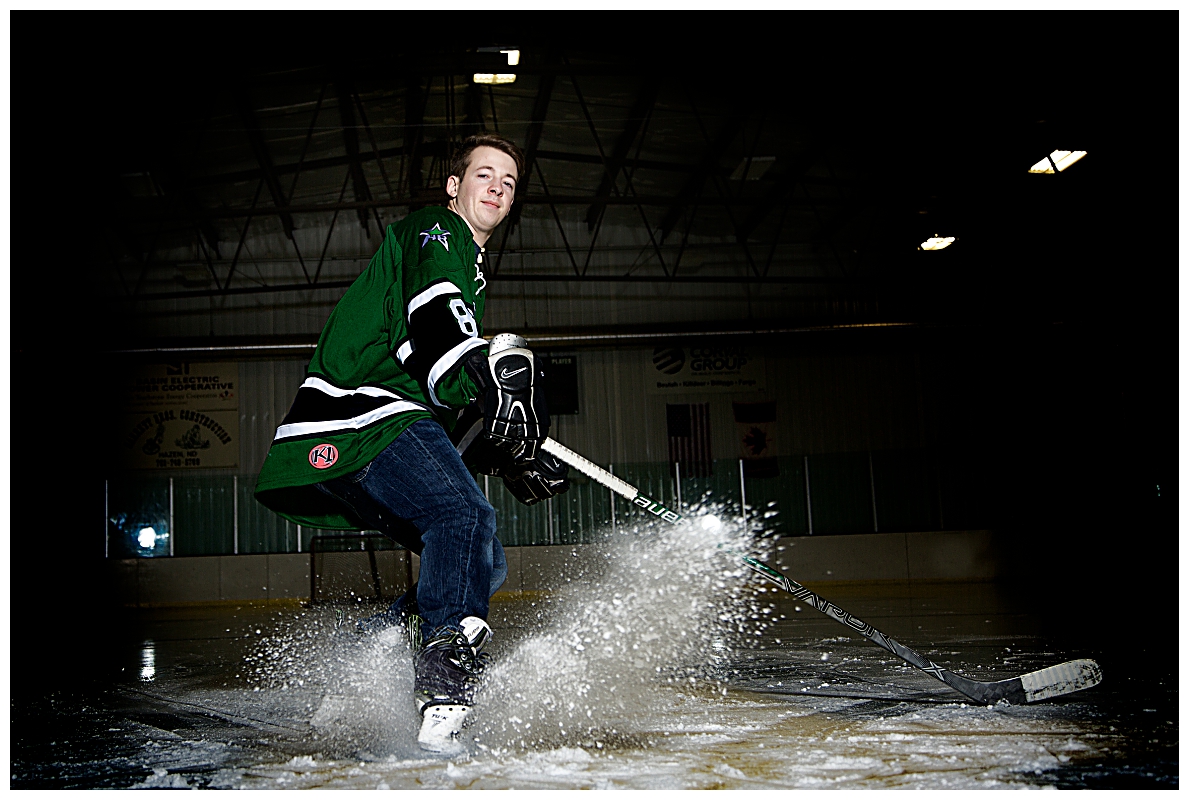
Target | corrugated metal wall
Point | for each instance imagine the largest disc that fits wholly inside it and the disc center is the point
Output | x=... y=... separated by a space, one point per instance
x=512 y=304
x=825 y=404
x=868 y=427
x=857 y=422
x=267 y=389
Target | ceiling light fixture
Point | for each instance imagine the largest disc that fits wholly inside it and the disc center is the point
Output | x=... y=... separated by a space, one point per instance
x=513 y=54
x=494 y=78
x=1057 y=161
x=937 y=243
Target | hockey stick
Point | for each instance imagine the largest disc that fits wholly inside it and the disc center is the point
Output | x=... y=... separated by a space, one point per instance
x=1033 y=687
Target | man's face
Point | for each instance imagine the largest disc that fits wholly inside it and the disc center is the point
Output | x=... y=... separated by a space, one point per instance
x=484 y=195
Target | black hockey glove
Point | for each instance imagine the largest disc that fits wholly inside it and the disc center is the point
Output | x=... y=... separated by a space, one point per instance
x=530 y=481
x=515 y=418
x=539 y=479
x=477 y=451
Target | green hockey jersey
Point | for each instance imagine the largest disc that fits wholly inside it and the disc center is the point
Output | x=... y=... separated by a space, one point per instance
x=390 y=354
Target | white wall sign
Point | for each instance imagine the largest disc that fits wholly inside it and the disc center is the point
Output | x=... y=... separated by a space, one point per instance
x=181 y=415
x=702 y=368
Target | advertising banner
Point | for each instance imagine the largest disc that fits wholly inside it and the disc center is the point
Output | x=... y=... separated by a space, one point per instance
x=183 y=415
x=700 y=369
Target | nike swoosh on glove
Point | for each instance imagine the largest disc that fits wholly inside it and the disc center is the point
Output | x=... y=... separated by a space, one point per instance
x=515 y=417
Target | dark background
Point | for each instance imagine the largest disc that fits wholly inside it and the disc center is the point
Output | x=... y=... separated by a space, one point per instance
x=1078 y=287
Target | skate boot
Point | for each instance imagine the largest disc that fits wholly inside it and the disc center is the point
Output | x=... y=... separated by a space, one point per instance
x=382 y=621
x=403 y=613
x=448 y=668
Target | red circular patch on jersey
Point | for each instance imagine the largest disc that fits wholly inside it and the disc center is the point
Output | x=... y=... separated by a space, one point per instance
x=324 y=456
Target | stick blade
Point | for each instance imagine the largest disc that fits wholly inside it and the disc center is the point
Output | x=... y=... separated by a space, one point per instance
x=1072 y=676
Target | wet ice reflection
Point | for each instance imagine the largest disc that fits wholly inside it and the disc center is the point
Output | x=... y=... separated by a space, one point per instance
x=148 y=661
x=657 y=664
x=638 y=671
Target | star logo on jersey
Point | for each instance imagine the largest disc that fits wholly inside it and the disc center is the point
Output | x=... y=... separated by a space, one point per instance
x=435 y=234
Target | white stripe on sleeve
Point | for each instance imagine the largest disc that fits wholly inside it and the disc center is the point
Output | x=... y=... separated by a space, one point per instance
x=429 y=293
x=447 y=362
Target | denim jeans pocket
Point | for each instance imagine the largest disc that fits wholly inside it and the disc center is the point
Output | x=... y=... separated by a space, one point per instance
x=359 y=476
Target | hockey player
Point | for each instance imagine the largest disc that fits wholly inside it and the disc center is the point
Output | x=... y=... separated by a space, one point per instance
x=365 y=444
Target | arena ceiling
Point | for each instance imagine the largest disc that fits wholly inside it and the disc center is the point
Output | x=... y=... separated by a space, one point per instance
x=818 y=160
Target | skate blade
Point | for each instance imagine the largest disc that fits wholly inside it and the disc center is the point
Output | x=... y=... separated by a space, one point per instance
x=441 y=727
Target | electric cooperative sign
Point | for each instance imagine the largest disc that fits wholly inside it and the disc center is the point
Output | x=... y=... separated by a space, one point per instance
x=183 y=415
x=700 y=369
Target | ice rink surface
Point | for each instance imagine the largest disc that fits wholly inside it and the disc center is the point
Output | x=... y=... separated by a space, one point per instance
x=666 y=666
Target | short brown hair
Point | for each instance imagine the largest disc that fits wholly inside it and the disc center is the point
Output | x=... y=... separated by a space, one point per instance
x=462 y=156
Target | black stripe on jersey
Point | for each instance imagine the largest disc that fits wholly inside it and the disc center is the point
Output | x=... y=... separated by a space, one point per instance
x=435 y=329
x=312 y=405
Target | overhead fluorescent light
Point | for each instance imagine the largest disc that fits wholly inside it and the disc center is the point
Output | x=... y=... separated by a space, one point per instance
x=937 y=243
x=759 y=165
x=1066 y=158
x=1062 y=159
x=494 y=78
x=513 y=57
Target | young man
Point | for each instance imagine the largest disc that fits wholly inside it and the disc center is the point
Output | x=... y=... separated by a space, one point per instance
x=365 y=444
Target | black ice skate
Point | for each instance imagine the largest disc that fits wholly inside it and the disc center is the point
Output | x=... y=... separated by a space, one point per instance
x=448 y=668
x=403 y=613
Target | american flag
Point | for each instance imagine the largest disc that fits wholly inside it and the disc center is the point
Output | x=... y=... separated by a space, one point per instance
x=689 y=437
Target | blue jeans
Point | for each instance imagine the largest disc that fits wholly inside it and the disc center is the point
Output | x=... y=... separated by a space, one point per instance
x=420 y=479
